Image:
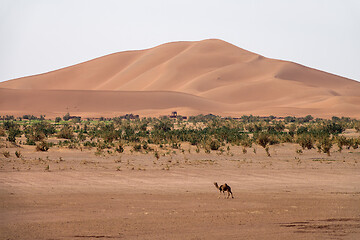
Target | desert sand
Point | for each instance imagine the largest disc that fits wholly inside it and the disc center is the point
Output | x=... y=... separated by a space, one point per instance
x=74 y=194
x=209 y=76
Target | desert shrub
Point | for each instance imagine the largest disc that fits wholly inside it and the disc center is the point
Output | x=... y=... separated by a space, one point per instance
x=18 y=154
x=107 y=132
x=355 y=142
x=305 y=141
x=267 y=151
x=42 y=146
x=6 y=154
x=164 y=125
x=157 y=155
x=89 y=144
x=137 y=147
x=30 y=141
x=38 y=132
x=197 y=150
x=214 y=145
x=342 y=141
x=66 y=132
x=2 y=132
x=57 y=119
x=287 y=138
x=44 y=127
x=274 y=140
x=81 y=136
x=12 y=134
x=263 y=139
x=301 y=130
x=176 y=145
x=102 y=145
x=335 y=128
x=119 y=148
x=357 y=126
x=246 y=142
x=324 y=144
x=10 y=124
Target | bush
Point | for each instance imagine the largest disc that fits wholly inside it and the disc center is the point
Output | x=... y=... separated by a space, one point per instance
x=306 y=141
x=119 y=148
x=18 y=154
x=214 y=145
x=89 y=144
x=12 y=134
x=137 y=147
x=342 y=141
x=42 y=146
x=2 y=132
x=66 y=132
x=324 y=145
x=263 y=139
x=6 y=154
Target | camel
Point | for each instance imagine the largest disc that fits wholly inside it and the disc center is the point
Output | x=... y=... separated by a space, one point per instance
x=224 y=188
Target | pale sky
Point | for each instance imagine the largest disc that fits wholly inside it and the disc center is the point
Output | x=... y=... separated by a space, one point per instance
x=38 y=36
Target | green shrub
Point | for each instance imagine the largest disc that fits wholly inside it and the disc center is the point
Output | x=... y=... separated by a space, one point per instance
x=342 y=141
x=305 y=141
x=324 y=144
x=263 y=139
x=12 y=134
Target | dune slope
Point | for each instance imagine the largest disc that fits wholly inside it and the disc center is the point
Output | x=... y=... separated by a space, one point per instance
x=193 y=77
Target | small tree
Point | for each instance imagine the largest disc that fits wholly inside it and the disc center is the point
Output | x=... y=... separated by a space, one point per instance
x=263 y=139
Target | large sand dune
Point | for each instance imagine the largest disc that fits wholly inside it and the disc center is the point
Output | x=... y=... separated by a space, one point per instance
x=210 y=76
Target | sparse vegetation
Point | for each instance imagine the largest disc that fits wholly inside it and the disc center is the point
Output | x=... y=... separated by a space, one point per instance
x=18 y=154
x=206 y=132
x=42 y=146
x=6 y=154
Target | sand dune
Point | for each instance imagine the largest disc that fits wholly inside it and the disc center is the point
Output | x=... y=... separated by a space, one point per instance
x=194 y=77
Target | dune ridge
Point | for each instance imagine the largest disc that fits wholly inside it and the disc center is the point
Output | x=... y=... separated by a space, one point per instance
x=209 y=76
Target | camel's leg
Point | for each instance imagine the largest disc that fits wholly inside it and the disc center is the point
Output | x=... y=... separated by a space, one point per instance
x=231 y=194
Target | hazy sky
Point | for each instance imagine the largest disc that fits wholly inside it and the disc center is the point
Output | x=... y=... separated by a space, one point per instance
x=38 y=36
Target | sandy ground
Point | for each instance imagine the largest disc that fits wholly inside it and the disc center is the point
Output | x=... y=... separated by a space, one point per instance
x=135 y=196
